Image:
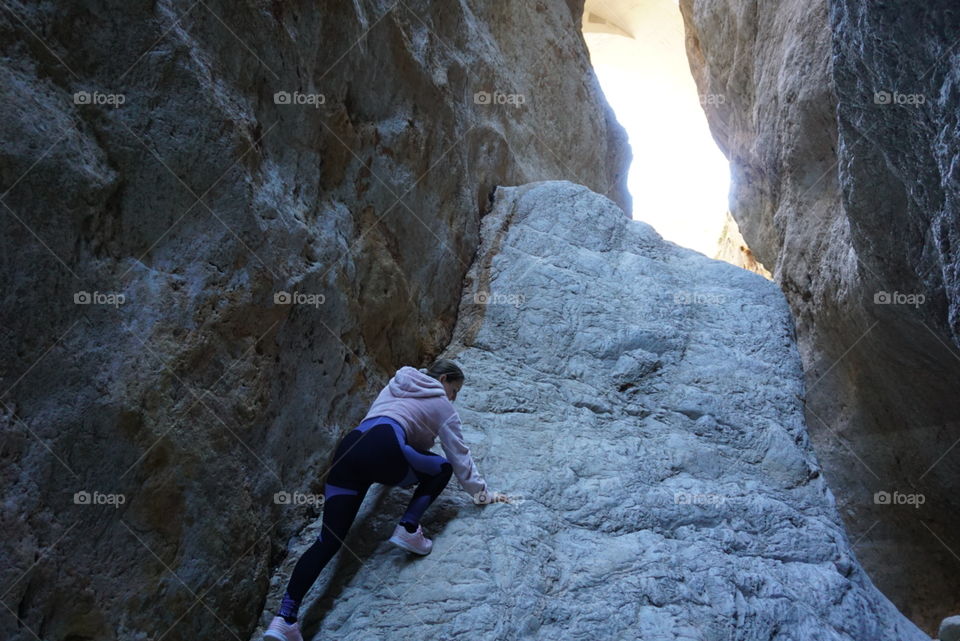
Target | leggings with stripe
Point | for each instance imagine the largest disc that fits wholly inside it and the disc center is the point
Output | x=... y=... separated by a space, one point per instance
x=376 y=451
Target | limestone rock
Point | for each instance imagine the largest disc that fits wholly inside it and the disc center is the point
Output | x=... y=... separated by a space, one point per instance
x=286 y=195
x=676 y=501
x=733 y=248
x=950 y=629
x=840 y=121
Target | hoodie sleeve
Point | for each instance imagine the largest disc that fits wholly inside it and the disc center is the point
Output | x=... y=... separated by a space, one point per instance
x=457 y=452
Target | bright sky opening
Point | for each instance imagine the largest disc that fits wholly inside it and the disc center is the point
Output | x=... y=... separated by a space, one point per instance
x=679 y=179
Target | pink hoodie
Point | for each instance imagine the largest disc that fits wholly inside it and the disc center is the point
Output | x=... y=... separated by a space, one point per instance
x=419 y=403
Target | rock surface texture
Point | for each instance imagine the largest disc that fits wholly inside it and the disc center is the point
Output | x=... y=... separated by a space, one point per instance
x=732 y=248
x=286 y=194
x=840 y=120
x=646 y=403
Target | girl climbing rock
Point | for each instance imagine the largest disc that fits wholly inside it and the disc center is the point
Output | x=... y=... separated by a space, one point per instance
x=390 y=446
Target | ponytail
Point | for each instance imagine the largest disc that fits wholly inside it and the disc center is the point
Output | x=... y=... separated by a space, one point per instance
x=443 y=366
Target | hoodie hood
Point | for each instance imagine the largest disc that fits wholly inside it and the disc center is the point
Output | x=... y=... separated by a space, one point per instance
x=410 y=382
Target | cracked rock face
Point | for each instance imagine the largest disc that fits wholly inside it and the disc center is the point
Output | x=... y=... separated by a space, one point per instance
x=646 y=405
x=287 y=196
x=840 y=121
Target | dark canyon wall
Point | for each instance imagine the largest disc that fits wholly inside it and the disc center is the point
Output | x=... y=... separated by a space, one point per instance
x=223 y=224
x=840 y=121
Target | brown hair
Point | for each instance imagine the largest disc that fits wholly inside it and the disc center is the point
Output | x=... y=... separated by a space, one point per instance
x=443 y=366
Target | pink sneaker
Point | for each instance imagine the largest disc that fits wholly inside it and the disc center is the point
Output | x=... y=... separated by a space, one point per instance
x=416 y=542
x=280 y=630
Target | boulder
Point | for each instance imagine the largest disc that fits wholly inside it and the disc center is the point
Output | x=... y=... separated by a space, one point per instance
x=682 y=501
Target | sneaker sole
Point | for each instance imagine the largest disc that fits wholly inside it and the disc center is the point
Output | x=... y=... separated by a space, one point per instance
x=406 y=546
x=272 y=634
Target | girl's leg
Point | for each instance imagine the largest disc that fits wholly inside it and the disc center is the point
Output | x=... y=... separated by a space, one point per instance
x=368 y=454
x=346 y=486
x=430 y=487
x=340 y=508
x=431 y=470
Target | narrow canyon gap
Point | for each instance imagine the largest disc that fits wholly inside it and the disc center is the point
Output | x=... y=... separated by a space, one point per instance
x=225 y=225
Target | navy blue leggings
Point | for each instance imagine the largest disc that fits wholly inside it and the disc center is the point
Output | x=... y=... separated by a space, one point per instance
x=376 y=451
